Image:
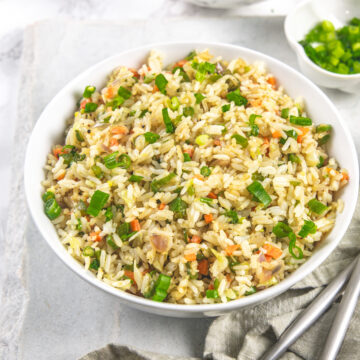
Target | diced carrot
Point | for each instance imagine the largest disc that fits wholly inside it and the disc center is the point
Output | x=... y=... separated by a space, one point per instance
x=276 y=134
x=272 y=251
x=189 y=151
x=304 y=131
x=180 y=63
x=129 y=274
x=190 y=257
x=109 y=93
x=155 y=89
x=162 y=206
x=57 y=151
x=203 y=266
x=113 y=142
x=60 y=177
x=135 y=225
x=95 y=235
x=217 y=142
x=345 y=176
x=195 y=239
x=272 y=81
x=228 y=278
x=84 y=102
x=211 y=195
x=119 y=130
x=134 y=71
x=199 y=177
x=256 y=102
x=268 y=257
x=211 y=287
x=231 y=248
x=208 y=218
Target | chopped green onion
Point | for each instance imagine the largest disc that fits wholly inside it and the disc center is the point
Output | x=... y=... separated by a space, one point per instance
x=191 y=55
x=88 y=251
x=97 y=171
x=212 y=294
x=285 y=113
x=321 y=162
x=252 y=290
x=170 y=128
x=188 y=111
x=151 y=137
x=135 y=178
x=161 y=288
x=182 y=73
x=124 y=161
x=205 y=171
x=79 y=136
x=149 y=78
x=109 y=214
x=241 y=140
x=178 y=206
x=281 y=230
x=199 y=98
x=48 y=195
x=202 y=140
x=143 y=112
x=216 y=284
x=292 y=246
x=89 y=90
x=323 y=128
x=191 y=190
x=233 y=215
x=225 y=108
x=214 y=78
x=232 y=263
x=259 y=193
x=316 y=206
x=187 y=157
x=156 y=185
x=124 y=93
x=254 y=128
x=161 y=82
x=295 y=183
x=52 y=209
x=256 y=176
x=174 y=103
x=72 y=156
x=111 y=242
x=323 y=140
x=309 y=227
x=95 y=264
x=206 y=200
x=79 y=225
x=186 y=236
x=90 y=107
x=236 y=97
x=116 y=102
x=299 y=120
x=110 y=161
x=97 y=202
x=294 y=158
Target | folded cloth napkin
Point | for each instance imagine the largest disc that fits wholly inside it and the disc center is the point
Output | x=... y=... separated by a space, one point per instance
x=247 y=333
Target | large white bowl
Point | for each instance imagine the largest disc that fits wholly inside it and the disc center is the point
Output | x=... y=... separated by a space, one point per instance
x=221 y=4
x=50 y=127
x=302 y=19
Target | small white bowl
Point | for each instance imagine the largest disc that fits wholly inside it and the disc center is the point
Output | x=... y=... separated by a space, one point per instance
x=302 y=19
x=50 y=127
x=221 y=4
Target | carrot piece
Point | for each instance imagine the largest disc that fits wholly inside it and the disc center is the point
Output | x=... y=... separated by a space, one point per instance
x=272 y=81
x=276 y=134
x=180 y=63
x=217 y=142
x=135 y=225
x=119 y=130
x=155 y=89
x=129 y=274
x=228 y=278
x=268 y=258
x=199 y=177
x=57 y=151
x=60 y=177
x=345 y=176
x=95 y=235
x=134 y=71
x=256 y=102
x=84 y=102
x=208 y=218
x=231 y=248
x=195 y=239
x=162 y=206
x=211 y=287
x=189 y=151
x=211 y=195
x=304 y=131
x=113 y=142
x=203 y=266
x=190 y=257
x=272 y=251
x=109 y=93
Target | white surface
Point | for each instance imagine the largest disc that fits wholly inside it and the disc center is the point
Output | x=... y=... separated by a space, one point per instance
x=302 y=19
x=318 y=107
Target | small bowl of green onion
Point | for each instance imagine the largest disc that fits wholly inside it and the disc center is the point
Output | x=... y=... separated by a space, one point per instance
x=325 y=35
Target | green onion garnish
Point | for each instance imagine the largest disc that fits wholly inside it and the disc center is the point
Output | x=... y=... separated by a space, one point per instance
x=151 y=137
x=79 y=136
x=206 y=200
x=205 y=171
x=225 y=108
x=161 y=82
x=285 y=113
x=174 y=103
x=212 y=294
x=254 y=128
x=252 y=290
x=236 y=97
x=309 y=227
x=48 y=195
x=294 y=158
x=97 y=202
x=299 y=120
x=95 y=264
x=72 y=156
x=170 y=128
x=292 y=246
x=124 y=161
x=259 y=193
x=324 y=139
x=161 y=288
x=79 y=225
x=188 y=111
x=233 y=215
x=323 y=128
x=256 y=176
x=89 y=90
x=199 y=98
x=241 y=140
x=156 y=185
x=111 y=242
x=143 y=112
x=316 y=206
x=135 y=178
x=90 y=107
x=182 y=73
x=97 y=171
x=149 y=78
x=178 y=206
x=186 y=157
x=108 y=214
x=112 y=161
x=191 y=55
x=88 y=251
x=281 y=230
x=52 y=209
x=321 y=162
x=124 y=93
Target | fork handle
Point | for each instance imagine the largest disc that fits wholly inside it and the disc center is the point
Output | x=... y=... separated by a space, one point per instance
x=343 y=316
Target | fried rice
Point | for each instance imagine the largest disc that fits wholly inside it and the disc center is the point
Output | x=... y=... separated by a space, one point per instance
x=195 y=183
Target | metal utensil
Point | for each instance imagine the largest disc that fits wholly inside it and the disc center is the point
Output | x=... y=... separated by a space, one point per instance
x=310 y=314
x=343 y=316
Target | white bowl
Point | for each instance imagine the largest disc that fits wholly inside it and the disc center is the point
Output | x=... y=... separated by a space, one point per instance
x=302 y=19
x=50 y=127
x=221 y=4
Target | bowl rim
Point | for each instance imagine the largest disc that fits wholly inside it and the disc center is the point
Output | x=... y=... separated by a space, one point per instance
x=300 y=50
x=170 y=308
